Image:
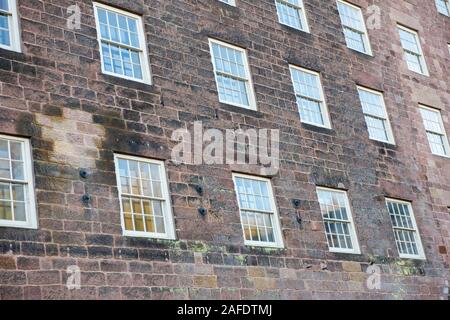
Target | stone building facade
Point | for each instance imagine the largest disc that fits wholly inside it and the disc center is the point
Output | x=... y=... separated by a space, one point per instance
x=54 y=93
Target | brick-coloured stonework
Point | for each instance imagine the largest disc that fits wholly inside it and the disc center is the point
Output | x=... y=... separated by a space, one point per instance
x=54 y=93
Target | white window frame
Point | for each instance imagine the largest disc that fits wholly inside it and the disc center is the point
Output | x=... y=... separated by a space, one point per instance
x=447 y=5
x=278 y=237
x=303 y=17
x=366 y=39
x=250 y=89
x=168 y=215
x=421 y=255
x=31 y=213
x=14 y=30
x=353 y=232
x=324 y=107
x=443 y=133
x=143 y=53
x=389 y=132
x=422 y=60
x=229 y=2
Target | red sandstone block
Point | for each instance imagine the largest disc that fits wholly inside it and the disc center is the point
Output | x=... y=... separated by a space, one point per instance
x=109 y=293
x=12 y=277
x=55 y=292
x=43 y=277
x=28 y=263
x=93 y=279
x=32 y=293
x=7 y=262
x=11 y=292
x=113 y=266
x=119 y=279
x=136 y=293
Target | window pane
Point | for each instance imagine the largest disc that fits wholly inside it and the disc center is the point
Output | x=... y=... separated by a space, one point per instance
x=144 y=211
x=126 y=205
x=310 y=111
x=157 y=189
x=4 y=24
x=412 y=52
x=14 y=202
x=4 y=153
x=409 y=42
x=122 y=61
x=443 y=7
x=4 y=30
x=154 y=169
x=431 y=120
x=160 y=226
x=5 y=210
x=232 y=90
x=123 y=56
x=252 y=193
x=351 y=17
x=258 y=225
x=355 y=39
x=123 y=168
x=256 y=209
x=18 y=170
x=405 y=233
x=4 y=5
x=128 y=219
x=16 y=151
x=5 y=171
x=377 y=128
x=231 y=74
x=118 y=28
x=290 y=12
x=135 y=186
x=150 y=224
x=5 y=193
x=436 y=134
x=18 y=192
x=310 y=102
x=436 y=143
x=375 y=115
x=139 y=223
x=337 y=223
x=307 y=84
x=413 y=61
x=372 y=103
x=354 y=28
x=20 y=211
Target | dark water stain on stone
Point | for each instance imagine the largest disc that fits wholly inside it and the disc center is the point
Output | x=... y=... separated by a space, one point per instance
x=122 y=141
x=332 y=179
